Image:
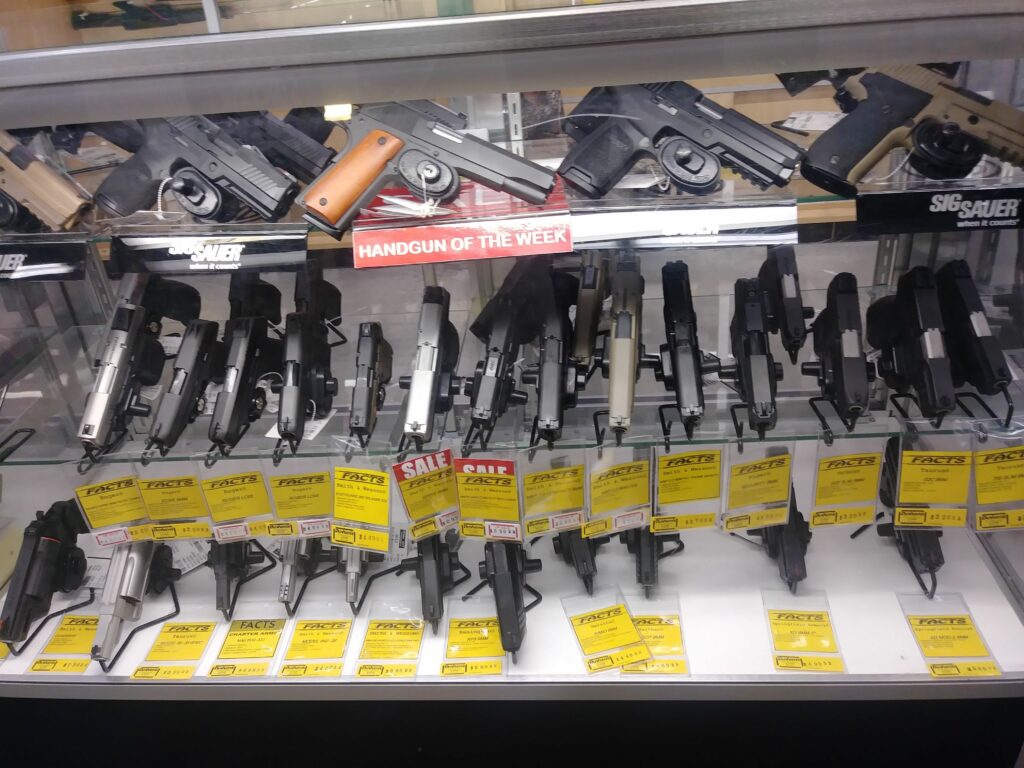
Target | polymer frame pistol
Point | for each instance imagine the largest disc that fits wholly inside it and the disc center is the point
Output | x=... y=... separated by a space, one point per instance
x=32 y=191
x=786 y=544
x=373 y=373
x=284 y=145
x=784 y=303
x=504 y=569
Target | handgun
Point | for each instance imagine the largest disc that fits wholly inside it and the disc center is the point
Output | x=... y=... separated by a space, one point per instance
x=589 y=302
x=842 y=369
x=200 y=360
x=353 y=565
x=507 y=321
x=648 y=548
x=690 y=136
x=435 y=565
x=232 y=563
x=580 y=553
x=210 y=174
x=908 y=331
x=921 y=549
x=49 y=561
x=945 y=128
x=131 y=357
x=784 y=302
x=132 y=16
x=135 y=569
x=755 y=373
x=787 y=544
x=975 y=356
x=299 y=557
x=623 y=354
x=683 y=364
x=373 y=372
x=250 y=355
x=433 y=383
x=30 y=187
x=281 y=143
x=420 y=145
x=556 y=376
x=307 y=387
x=504 y=570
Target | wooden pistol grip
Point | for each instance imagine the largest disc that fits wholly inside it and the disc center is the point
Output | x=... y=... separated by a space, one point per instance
x=338 y=188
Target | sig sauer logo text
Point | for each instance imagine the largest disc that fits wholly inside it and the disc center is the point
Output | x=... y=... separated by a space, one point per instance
x=762 y=466
x=1016 y=454
x=10 y=262
x=210 y=255
x=116 y=485
x=362 y=477
x=1000 y=208
x=226 y=482
x=608 y=613
x=849 y=461
x=951 y=461
x=697 y=458
x=287 y=482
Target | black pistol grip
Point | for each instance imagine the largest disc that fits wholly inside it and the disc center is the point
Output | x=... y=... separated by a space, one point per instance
x=599 y=161
x=841 y=156
x=132 y=186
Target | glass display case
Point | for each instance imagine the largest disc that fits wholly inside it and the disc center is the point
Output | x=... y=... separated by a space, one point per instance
x=552 y=382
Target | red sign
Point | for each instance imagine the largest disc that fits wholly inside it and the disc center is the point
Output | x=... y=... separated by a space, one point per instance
x=485 y=467
x=422 y=465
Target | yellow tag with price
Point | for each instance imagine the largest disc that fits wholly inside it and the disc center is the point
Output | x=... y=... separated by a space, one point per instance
x=362 y=496
x=934 y=477
x=999 y=475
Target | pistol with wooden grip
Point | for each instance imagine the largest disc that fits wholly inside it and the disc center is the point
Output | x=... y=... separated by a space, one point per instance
x=417 y=144
x=31 y=190
x=945 y=128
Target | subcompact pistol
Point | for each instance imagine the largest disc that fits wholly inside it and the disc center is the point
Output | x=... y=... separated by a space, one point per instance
x=947 y=129
x=787 y=545
x=284 y=145
x=908 y=331
x=842 y=369
x=232 y=564
x=49 y=561
x=504 y=569
x=210 y=174
x=647 y=549
x=690 y=136
x=580 y=553
x=433 y=383
x=593 y=288
x=32 y=190
x=418 y=144
x=784 y=303
x=435 y=565
x=373 y=373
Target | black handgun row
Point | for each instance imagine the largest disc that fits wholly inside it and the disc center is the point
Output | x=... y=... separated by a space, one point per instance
x=223 y=167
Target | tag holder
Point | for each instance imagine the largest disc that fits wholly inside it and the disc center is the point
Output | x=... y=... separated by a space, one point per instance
x=46 y=620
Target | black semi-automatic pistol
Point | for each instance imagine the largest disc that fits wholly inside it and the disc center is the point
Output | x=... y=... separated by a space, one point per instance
x=373 y=373
x=784 y=303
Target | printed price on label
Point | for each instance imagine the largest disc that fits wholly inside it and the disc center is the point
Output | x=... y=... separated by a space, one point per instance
x=362 y=496
x=999 y=475
x=113 y=502
x=553 y=490
x=74 y=634
x=252 y=639
x=661 y=633
x=765 y=481
x=171 y=531
x=596 y=528
x=392 y=639
x=998 y=520
x=427 y=484
x=471 y=668
x=181 y=641
x=965 y=669
x=620 y=487
x=690 y=476
x=61 y=666
x=764 y=517
x=236 y=497
x=843 y=516
x=847 y=479
x=632 y=654
x=385 y=671
x=249 y=669
x=474 y=639
x=804 y=663
x=487 y=489
x=164 y=672
x=322 y=669
x=658 y=667
x=952 y=636
x=934 y=477
x=794 y=630
x=169 y=498
x=930 y=517
x=319 y=639
x=669 y=523
x=308 y=495
x=360 y=538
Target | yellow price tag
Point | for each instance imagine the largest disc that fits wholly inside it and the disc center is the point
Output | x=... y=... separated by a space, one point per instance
x=360 y=538
x=662 y=633
x=690 y=476
x=759 y=519
x=474 y=639
x=427 y=484
x=385 y=670
x=236 y=497
x=181 y=531
x=847 y=479
x=843 y=516
x=998 y=520
x=605 y=629
x=168 y=498
x=424 y=528
x=934 y=477
x=307 y=495
x=471 y=668
x=553 y=490
x=392 y=639
x=669 y=523
x=999 y=475
x=657 y=667
x=596 y=528
x=248 y=669
x=953 y=636
x=164 y=672
x=252 y=639
x=61 y=666
x=181 y=641
x=540 y=525
x=632 y=654
x=113 y=502
x=794 y=630
x=273 y=528
x=805 y=663
x=930 y=517
x=472 y=530
x=319 y=639
x=321 y=669
x=965 y=669
x=620 y=487
x=74 y=634
x=487 y=489
x=764 y=481
x=362 y=496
